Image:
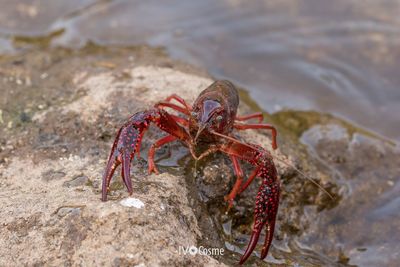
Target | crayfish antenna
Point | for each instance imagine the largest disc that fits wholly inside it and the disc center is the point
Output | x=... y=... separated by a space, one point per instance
x=196 y=159
x=195 y=167
x=305 y=176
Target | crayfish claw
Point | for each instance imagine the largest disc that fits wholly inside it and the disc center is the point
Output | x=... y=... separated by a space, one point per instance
x=110 y=169
x=264 y=215
x=254 y=240
x=268 y=239
x=127 y=144
x=252 y=244
x=125 y=172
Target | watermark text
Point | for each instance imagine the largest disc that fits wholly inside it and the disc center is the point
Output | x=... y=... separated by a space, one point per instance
x=193 y=250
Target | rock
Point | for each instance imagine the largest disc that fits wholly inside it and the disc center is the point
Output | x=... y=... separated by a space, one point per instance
x=364 y=219
x=63 y=211
x=79 y=180
x=53 y=175
x=53 y=211
x=51 y=166
x=132 y=202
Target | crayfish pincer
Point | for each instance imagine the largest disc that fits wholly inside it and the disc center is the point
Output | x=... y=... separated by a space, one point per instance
x=206 y=127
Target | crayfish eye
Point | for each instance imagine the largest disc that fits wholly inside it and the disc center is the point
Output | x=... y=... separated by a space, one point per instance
x=219 y=118
x=193 y=114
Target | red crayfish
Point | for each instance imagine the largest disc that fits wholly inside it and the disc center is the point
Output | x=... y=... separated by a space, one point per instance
x=206 y=128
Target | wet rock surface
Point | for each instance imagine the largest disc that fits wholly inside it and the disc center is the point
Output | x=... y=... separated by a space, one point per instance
x=52 y=164
x=365 y=224
x=58 y=120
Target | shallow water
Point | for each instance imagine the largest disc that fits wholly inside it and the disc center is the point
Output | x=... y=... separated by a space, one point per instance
x=340 y=57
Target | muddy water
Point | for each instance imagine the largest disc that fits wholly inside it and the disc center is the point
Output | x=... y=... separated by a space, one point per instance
x=340 y=57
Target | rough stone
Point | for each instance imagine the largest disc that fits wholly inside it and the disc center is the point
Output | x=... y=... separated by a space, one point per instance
x=52 y=209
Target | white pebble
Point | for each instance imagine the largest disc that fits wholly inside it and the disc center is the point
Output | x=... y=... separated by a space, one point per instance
x=132 y=202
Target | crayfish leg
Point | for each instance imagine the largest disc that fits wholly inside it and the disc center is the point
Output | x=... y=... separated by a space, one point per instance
x=250 y=179
x=165 y=104
x=260 y=126
x=257 y=115
x=239 y=179
x=180 y=100
x=160 y=142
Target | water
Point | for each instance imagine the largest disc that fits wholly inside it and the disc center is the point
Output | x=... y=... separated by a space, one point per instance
x=339 y=57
